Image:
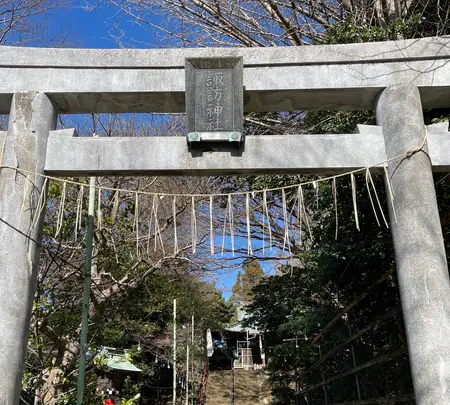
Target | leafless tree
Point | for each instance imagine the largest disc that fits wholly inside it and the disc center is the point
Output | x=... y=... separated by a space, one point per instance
x=258 y=23
x=24 y=22
x=226 y=23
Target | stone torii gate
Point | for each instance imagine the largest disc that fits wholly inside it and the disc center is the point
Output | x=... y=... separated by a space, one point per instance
x=398 y=79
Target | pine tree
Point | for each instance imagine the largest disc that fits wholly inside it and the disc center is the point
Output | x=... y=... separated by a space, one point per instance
x=245 y=282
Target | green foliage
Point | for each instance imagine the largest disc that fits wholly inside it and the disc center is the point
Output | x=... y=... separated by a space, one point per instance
x=130 y=389
x=439 y=119
x=130 y=401
x=246 y=281
x=134 y=313
x=352 y=31
x=336 y=122
x=334 y=271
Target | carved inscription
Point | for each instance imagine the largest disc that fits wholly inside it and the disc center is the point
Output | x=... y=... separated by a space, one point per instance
x=214 y=106
x=214 y=95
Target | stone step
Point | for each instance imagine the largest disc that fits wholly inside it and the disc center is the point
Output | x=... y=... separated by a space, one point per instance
x=251 y=388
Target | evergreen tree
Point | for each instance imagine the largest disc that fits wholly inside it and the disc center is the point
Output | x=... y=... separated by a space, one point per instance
x=245 y=282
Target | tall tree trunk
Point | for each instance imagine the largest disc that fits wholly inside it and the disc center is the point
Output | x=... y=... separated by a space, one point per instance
x=54 y=386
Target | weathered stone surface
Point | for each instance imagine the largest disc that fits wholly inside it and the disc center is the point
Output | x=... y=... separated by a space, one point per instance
x=388 y=51
x=418 y=243
x=275 y=79
x=32 y=117
x=214 y=95
x=67 y=155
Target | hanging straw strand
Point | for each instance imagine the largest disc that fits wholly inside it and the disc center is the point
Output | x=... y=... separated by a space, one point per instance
x=150 y=225
x=231 y=221
x=267 y=217
x=158 y=235
x=391 y=192
x=263 y=227
x=40 y=205
x=211 y=229
x=60 y=214
x=249 y=235
x=316 y=187
x=115 y=206
x=175 y=236
x=136 y=222
x=78 y=213
x=299 y=212
x=224 y=226
x=99 y=209
x=303 y=209
x=155 y=212
x=370 y=195
x=81 y=206
x=285 y=220
x=193 y=226
x=334 y=190
x=355 y=207
x=378 y=200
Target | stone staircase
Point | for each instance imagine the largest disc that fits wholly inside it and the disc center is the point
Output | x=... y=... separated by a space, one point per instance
x=251 y=388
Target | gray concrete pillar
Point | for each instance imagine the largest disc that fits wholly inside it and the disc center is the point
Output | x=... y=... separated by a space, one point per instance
x=32 y=116
x=418 y=243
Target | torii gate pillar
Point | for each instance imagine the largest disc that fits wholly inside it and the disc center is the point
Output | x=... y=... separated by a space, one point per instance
x=418 y=243
x=32 y=116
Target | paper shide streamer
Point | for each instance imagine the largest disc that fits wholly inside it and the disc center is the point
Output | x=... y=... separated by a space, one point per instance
x=136 y=222
x=193 y=226
x=99 y=208
x=247 y=215
x=157 y=235
x=291 y=215
x=355 y=206
x=174 y=217
x=370 y=184
x=211 y=227
x=269 y=215
x=40 y=204
x=78 y=216
x=266 y=220
x=285 y=221
x=60 y=214
x=334 y=191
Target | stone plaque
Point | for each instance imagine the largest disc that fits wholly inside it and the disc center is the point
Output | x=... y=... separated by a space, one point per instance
x=214 y=99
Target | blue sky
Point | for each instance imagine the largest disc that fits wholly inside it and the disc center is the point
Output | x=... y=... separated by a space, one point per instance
x=95 y=28
x=92 y=29
x=86 y=29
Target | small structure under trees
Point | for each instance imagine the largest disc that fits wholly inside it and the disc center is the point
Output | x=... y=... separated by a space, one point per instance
x=114 y=369
x=247 y=342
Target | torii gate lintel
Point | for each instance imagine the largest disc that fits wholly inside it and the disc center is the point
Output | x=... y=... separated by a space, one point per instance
x=69 y=155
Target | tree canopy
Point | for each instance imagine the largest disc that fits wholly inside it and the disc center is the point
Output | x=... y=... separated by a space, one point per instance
x=245 y=282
